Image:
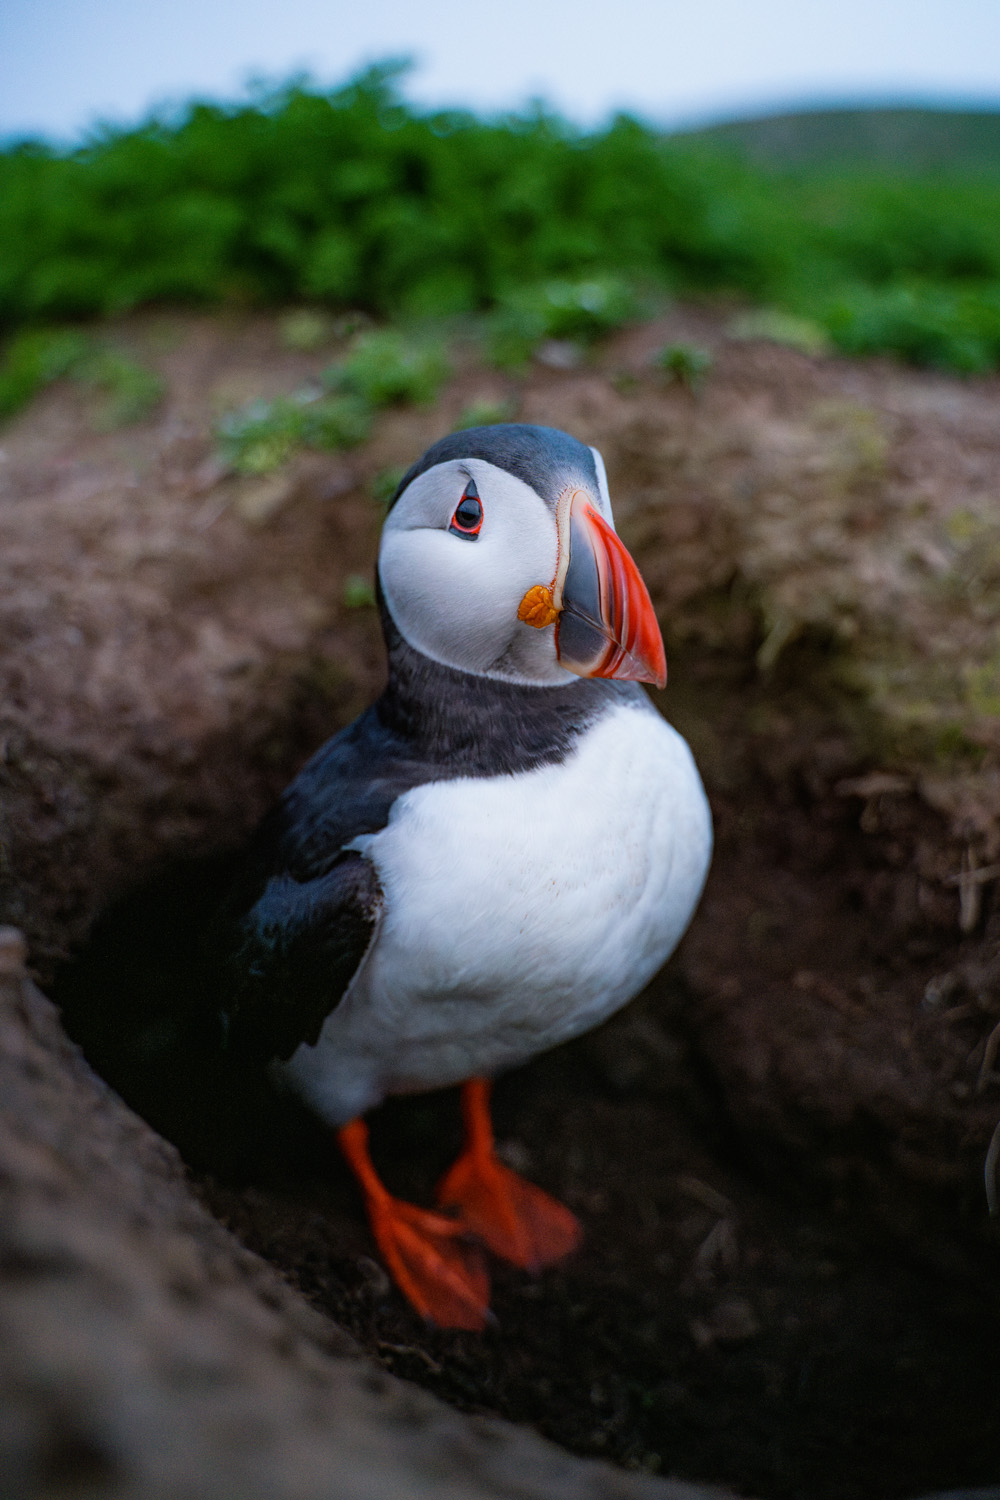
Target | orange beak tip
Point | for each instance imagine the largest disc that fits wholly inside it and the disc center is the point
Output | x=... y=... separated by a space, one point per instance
x=608 y=591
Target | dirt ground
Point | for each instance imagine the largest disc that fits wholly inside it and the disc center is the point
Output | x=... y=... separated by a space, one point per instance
x=788 y=1281
x=782 y=1310
x=148 y=1355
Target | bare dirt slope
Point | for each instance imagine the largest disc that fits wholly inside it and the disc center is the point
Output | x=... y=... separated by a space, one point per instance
x=788 y=1281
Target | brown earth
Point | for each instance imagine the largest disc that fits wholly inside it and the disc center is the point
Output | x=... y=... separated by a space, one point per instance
x=149 y=1356
x=788 y=1282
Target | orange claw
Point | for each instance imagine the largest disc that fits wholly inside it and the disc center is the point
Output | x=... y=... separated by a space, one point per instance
x=514 y=1218
x=436 y=1270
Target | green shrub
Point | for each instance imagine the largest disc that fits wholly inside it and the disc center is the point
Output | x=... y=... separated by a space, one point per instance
x=951 y=327
x=685 y=363
x=260 y=437
x=352 y=199
x=385 y=484
x=385 y=369
x=34 y=359
x=306 y=329
x=580 y=311
x=265 y=434
x=487 y=413
x=583 y=310
x=129 y=392
x=780 y=327
x=358 y=592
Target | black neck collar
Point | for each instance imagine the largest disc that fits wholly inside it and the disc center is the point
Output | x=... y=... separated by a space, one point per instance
x=478 y=726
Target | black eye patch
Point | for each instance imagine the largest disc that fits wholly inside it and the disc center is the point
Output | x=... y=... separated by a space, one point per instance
x=468 y=517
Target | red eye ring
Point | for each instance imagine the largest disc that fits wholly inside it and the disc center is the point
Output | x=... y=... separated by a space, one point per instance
x=467 y=520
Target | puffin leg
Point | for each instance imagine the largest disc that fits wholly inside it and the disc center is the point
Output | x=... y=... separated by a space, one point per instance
x=437 y=1271
x=514 y=1218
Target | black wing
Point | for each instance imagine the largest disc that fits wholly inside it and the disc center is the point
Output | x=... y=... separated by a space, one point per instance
x=302 y=914
x=294 y=953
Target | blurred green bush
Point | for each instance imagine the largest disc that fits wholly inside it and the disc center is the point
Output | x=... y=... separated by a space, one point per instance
x=34 y=358
x=386 y=369
x=686 y=364
x=354 y=199
x=262 y=435
x=382 y=369
x=579 y=311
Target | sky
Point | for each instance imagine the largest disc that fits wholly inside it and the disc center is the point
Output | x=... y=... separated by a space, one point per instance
x=65 y=64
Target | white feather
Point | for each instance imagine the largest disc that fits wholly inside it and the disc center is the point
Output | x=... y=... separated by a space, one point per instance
x=519 y=911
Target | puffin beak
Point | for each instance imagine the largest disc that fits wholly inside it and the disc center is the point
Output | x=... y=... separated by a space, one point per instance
x=606 y=625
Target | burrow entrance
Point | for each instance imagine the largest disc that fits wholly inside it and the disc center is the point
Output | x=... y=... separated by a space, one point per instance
x=770 y=1295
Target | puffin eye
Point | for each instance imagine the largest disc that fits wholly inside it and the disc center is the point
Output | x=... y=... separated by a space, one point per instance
x=468 y=517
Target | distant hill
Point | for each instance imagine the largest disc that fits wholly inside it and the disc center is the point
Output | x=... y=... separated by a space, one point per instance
x=909 y=139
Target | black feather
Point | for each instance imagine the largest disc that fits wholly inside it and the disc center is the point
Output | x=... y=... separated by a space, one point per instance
x=296 y=951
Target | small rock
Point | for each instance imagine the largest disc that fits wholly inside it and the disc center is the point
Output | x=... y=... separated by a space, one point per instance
x=514 y=1154
x=730 y=1322
x=374 y=1277
x=210 y=472
x=259 y=500
x=13 y=951
x=560 y=354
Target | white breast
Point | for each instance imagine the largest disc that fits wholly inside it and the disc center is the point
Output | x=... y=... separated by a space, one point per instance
x=519 y=911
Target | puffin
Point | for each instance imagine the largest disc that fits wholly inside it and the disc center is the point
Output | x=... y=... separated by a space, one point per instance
x=500 y=852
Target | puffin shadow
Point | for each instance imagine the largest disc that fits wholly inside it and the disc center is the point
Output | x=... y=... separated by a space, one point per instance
x=139 y=1000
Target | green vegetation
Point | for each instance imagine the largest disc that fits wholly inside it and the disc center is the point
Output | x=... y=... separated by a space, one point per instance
x=353 y=200
x=687 y=364
x=579 y=311
x=385 y=369
x=897 y=140
x=781 y=328
x=358 y=592
x=126 y=391
x=306 y=329
x=262 y=436
x=952 y=327
x=382 y=369
x=35 y=359
x=386 y=483
x=486 y=413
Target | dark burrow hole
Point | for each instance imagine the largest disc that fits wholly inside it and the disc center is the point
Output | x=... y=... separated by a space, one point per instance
x=731 y=1317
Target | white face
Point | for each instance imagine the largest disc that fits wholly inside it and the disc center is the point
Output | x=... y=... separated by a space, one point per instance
x=455 y=598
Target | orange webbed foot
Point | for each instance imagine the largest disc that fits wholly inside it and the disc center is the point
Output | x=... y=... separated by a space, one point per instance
x=515 y=1219
x=437 y=1270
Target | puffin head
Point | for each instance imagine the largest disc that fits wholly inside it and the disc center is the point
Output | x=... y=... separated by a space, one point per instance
x=499 y=557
